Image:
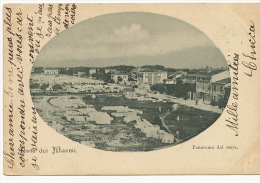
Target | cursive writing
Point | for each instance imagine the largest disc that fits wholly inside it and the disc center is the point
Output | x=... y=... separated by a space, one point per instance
x=250 y=65
x=232 y=120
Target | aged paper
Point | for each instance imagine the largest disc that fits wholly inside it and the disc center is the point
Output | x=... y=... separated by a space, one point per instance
x=130 y=89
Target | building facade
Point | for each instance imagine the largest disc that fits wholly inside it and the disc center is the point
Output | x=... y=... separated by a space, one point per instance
x=203 y=86
x=220 y=85
x=110 y=71
x=151 y=77
x=51 y=71
x=92 y=71
x=80 y=74
x=213 y=86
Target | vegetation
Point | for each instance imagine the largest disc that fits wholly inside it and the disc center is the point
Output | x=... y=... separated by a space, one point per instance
x=123 y=68
x=221 y=103
x=119 y=79
x=57 y=87
x=34 y=85
x=44 y=86
x=191 y=121
x=153 y=67
x=179 y=90
x=106 y=77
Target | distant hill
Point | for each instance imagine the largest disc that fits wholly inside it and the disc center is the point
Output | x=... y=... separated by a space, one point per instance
x=191 y=58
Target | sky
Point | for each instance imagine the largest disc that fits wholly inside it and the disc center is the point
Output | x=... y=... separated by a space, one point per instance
x=131 y=38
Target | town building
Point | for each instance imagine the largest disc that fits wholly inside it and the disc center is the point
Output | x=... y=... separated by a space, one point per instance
x=80 y=74
x=177 y=75
x=170 y=81
x=220 y=85
x=142 y=87
x=51 y=71
x=151 y=77
x=119 y=77
x=203 y=86
x=212 y=86
x=110 y=70
x=92 y=71
x=131 y=95
x=132 y=81
x=190 y=78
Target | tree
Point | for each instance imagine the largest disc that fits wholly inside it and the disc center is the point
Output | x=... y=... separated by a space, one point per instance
x=119 y=79
x=57 y=87
x=222 y=103
x=153 y=67
x=34 y=85
x=123 y=68
x=159 y=87
x=44 y=86
x=186 y=96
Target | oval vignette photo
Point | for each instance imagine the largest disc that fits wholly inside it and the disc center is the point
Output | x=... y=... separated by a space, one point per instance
x=130 y=81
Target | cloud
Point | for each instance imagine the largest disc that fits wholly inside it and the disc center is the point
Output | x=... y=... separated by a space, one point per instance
x=124 y=34
x=131 y=44
x=126 y=41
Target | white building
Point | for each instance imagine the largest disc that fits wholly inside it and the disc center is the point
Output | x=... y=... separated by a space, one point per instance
x=92 y=71
x=110 y=70
x=220 y=85
x=131 y=95
x=80 y=74
x=170 y=81
x=151 y=77
x=51 y=71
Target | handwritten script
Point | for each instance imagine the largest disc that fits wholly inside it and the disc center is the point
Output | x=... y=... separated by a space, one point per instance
x=24 y=35
x=250 y=66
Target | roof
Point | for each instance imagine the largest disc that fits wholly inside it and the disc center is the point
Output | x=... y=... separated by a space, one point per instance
x=221 y=76
x=228 y=85
x=205 y=74
x=223 y=81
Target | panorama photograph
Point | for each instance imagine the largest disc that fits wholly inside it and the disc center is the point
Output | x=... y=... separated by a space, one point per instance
x=130 y=81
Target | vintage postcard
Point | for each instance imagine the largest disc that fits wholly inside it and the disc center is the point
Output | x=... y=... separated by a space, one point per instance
x=131 y=89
